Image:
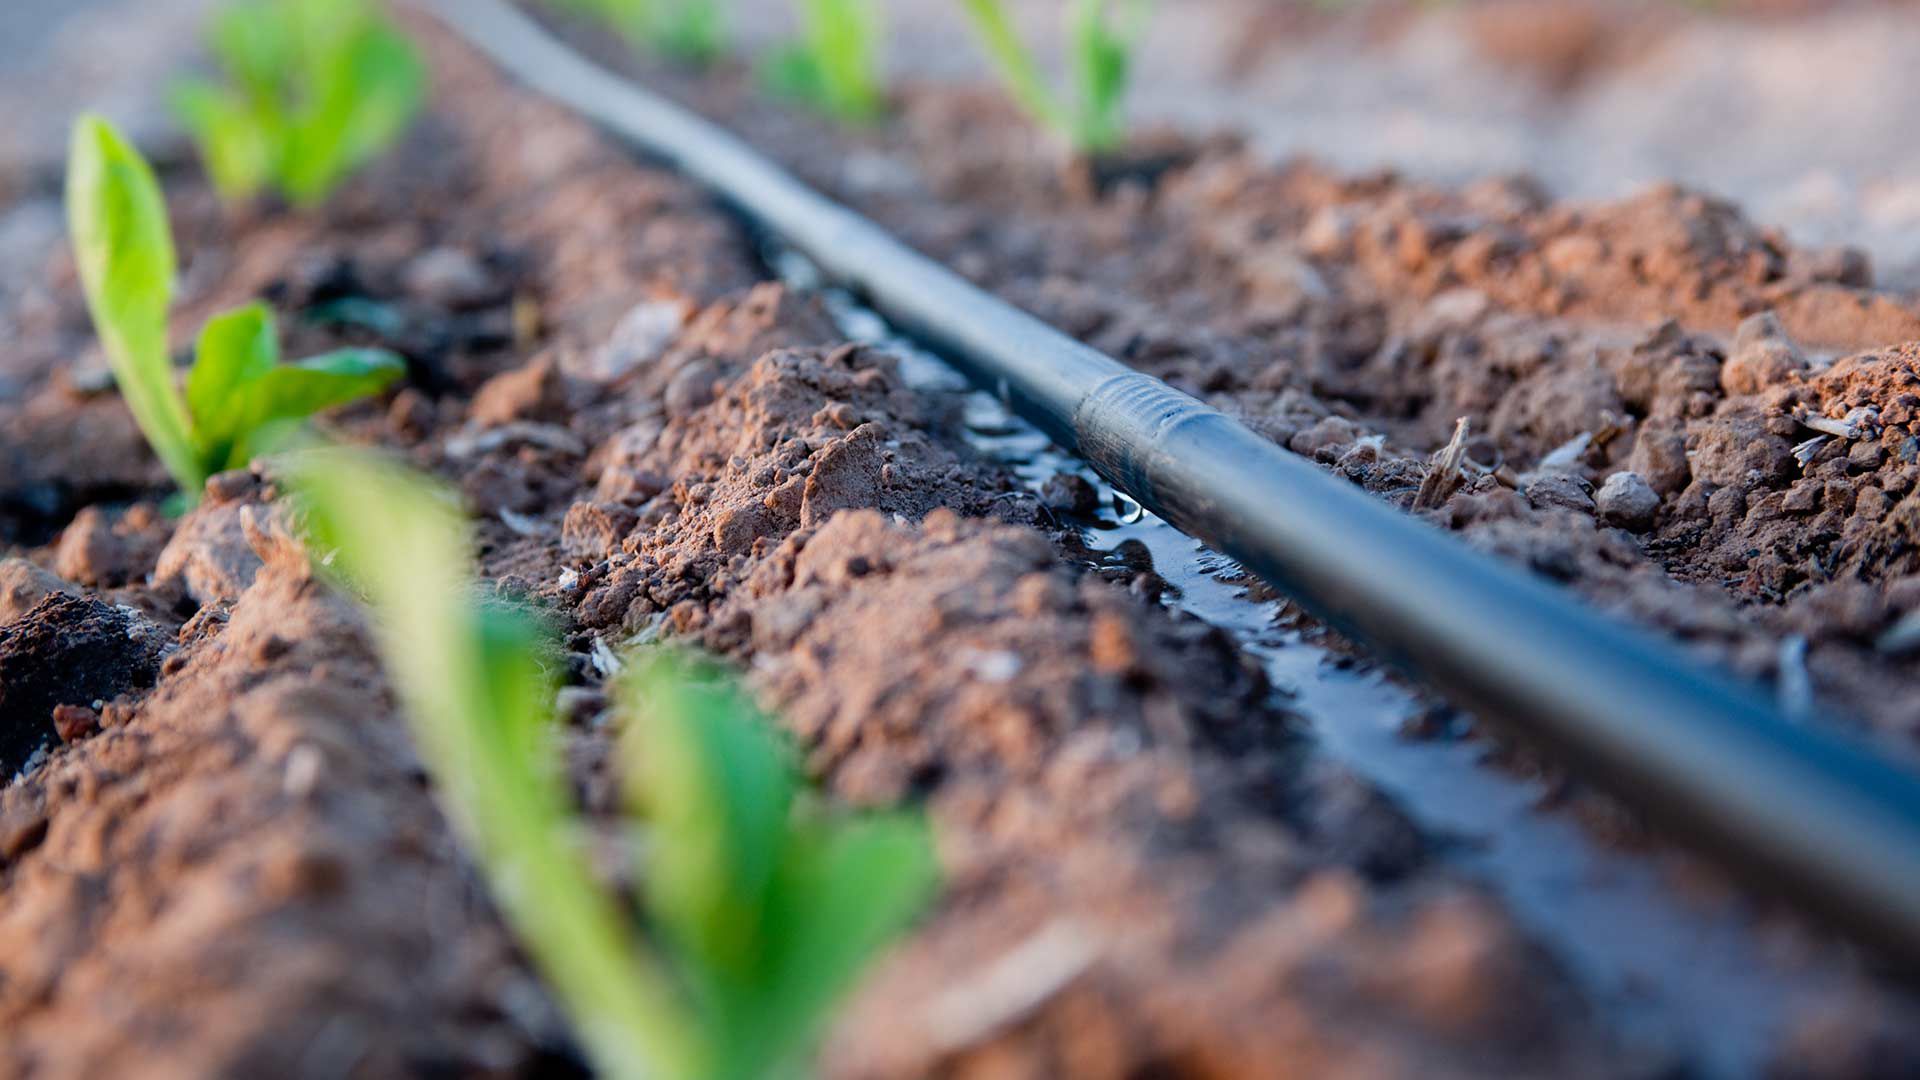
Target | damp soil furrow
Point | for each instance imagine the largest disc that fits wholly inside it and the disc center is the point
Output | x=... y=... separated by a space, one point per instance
x=1149 y=869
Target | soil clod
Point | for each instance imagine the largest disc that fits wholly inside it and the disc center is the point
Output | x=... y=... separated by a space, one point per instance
x=67 y=650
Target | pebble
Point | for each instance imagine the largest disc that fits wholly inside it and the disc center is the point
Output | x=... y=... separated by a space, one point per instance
x=1562 y=490
x=451 y=278
x=1627 y=501
x=1070 y=494
x=1762 y=356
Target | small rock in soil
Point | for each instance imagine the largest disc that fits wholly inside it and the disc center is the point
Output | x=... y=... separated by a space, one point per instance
x=1562 y=490
x=209 y=556
x=639 y=338
x=534 y=392
x=1070 y=494
x=22 y=585
x=593 y=529
x=232 y=485
x=411 y=415
x=1735 y=449
x=98 y=550
x=691 y=389
x=1660 y=457
x=68 y=650
x=452 y=278
x=1762 y=356
x=1627 y=501
x=75 y=722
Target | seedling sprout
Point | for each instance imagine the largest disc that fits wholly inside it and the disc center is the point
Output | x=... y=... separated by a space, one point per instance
x=315 y=89
x=835 y=64
x=240 y=400
x=693 y=31
x=1090 y=117
x=758 y=906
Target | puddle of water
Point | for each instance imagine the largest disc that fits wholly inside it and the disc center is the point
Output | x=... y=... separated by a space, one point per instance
x=1667 y=972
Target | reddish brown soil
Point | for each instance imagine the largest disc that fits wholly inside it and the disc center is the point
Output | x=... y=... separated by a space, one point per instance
x=1677 y=357
x=242 y=871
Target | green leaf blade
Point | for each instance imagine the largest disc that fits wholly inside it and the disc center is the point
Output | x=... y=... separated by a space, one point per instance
x=1016 y=64
x=716 y=788
x=234 y=349
x=393 y=85
x=479 y=698
x=123 y=249
x=319 y=88
x=264 y=407
x=230 y=138
x=256 y=46
x=845 y=890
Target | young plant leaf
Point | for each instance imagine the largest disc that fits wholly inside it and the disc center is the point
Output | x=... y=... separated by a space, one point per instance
x=1102 y=59
x=1101 y=43
x=240 y=401
x=772 y=912
x=258 y=45
x=693 y=31
x=717 y=788
x=318 y=88
x=844 y=891
x=1017 y=65
x=244 y=401
x=233 y=145
x=835 y=65
x=767 y=910
x=367 y=89
x=690 y=30
x=234 y=349
x=123 y=249
x=480 y=701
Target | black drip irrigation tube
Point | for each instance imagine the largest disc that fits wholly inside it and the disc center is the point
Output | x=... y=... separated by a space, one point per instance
x=1799 y=810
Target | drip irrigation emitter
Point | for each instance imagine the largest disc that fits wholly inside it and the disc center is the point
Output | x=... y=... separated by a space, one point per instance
x=1801 y=810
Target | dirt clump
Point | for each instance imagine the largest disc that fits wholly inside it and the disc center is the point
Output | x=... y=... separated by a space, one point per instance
x=23 y=585
x=796 y=437
x=245 y=868
x=67 y=650
x=210 y=557
x=101 y=549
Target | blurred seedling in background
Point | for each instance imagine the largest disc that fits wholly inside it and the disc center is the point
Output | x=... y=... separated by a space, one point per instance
x=314 y=90
x=1090 y=114
x=239 y=400
x=692 y=31
x=758 y=905
x=835 y=65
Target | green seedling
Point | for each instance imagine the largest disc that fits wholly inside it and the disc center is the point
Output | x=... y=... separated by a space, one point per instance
x=693 y=31
x=240 y=400
x=768 y=904
x=1090 y=117
x=315 y=89
x=835 y=64
x=758 y=906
